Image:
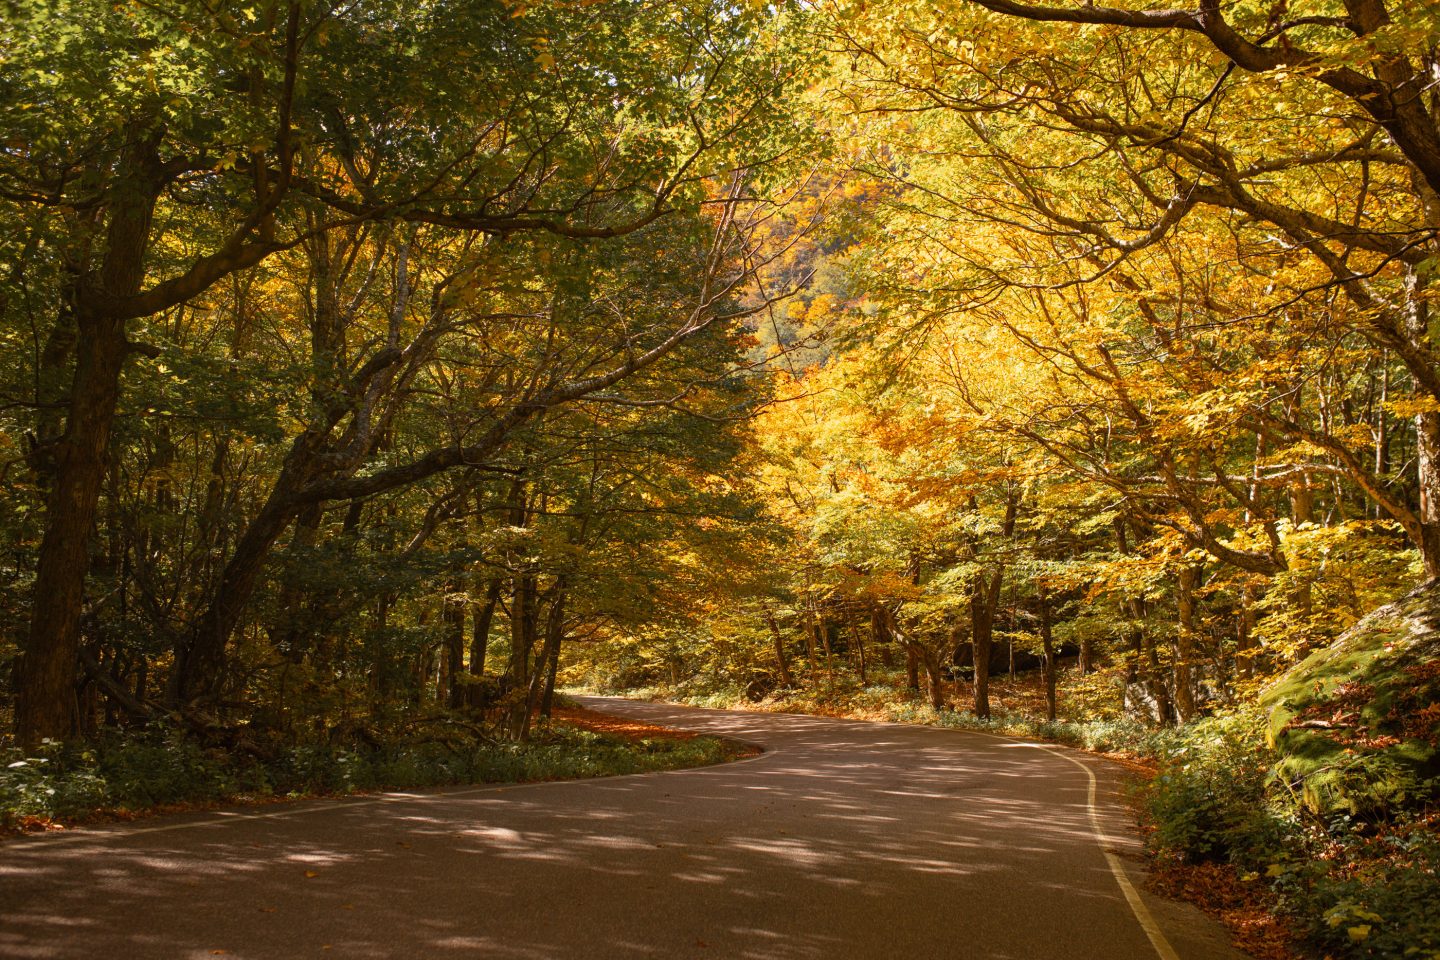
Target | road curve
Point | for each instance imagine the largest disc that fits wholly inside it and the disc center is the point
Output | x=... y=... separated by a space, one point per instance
x=844 y=840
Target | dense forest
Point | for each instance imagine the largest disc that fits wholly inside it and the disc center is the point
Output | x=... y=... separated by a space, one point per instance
x=1062 y=368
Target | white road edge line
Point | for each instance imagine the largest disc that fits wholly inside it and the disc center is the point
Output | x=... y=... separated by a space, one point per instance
x=1142 y=913
x=1132 y=896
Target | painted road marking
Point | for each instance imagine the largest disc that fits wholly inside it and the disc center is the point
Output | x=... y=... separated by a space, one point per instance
x=1117 y=867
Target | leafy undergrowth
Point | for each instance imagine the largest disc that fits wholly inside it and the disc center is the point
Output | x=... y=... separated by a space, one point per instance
x=123 y=777
x=1234 y=837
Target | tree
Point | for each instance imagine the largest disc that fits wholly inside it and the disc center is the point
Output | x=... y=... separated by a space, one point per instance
x=1184 y=109
x=160 y=152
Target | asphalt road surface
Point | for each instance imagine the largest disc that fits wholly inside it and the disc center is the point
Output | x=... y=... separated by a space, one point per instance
x=844 y=840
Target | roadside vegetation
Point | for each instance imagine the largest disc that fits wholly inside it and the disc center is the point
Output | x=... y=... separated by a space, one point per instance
x=368 y=370
x=139 y=773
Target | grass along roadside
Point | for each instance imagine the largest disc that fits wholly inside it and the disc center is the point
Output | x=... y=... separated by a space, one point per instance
x=158 y=771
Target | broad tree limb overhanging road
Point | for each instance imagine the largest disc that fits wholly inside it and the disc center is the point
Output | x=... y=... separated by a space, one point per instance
x=843 y=840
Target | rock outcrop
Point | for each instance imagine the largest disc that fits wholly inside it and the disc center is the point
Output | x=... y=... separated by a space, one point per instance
x=1357 y=725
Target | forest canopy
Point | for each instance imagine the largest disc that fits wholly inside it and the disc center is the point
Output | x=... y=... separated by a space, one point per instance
x=376 y=364
x=370 y=372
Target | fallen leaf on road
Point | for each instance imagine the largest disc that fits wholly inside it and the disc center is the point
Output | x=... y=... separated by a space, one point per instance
x=311 y=874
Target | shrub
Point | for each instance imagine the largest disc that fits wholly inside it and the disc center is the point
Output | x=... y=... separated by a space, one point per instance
x=1356 y=887
x=157 y=767
x=1210 y=799
x=1371 y=896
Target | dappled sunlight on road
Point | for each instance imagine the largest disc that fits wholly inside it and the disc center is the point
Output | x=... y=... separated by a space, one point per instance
x=843 y=840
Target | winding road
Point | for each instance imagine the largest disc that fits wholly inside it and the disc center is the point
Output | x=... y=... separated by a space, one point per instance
x=843 y=840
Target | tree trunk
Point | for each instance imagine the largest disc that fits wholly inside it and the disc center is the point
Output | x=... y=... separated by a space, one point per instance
x=1158 y=686
x=1427 y=425
x=523 y=615
x=480 y=642
x=45 y=704
x=822 y=630
x=424 y=671
x=200 y=662
x=1143 y=643
x=1047 y=645
x=984 y=599
x=547 y=700
x=786 y=680
x=859 y=652
x=1245 y=633
x=810 y=651
x=1427 y=448
x=934 y=675
x=1185 y=585
x=454 y=620
x=293 y=634
x=550 y=651
x=880 y=630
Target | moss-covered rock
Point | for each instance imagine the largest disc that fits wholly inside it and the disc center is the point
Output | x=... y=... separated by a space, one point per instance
x=1357 y=725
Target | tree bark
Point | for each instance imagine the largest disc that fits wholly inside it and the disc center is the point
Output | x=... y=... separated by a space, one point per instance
x=912 y=670
x=984 y=599
x=859 y=652
x=454 y=619
x=200 y=661
x=1245 y=633
x=1427 y=432
x=1047 y=646
x=810 y=652
x=823 y=631
x=547 y=699
x=934 y=675
x=786 y=679
x=1187 y=580
x=295 y=631
x=523 y=616
x=480 y=642
x=880 y=631
x=45 y=704
x=549 y=652
x=1158 y=686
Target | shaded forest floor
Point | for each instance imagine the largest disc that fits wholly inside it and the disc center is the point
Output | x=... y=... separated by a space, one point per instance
x=135 y=776
x=635 y=731
x=1245 y=907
